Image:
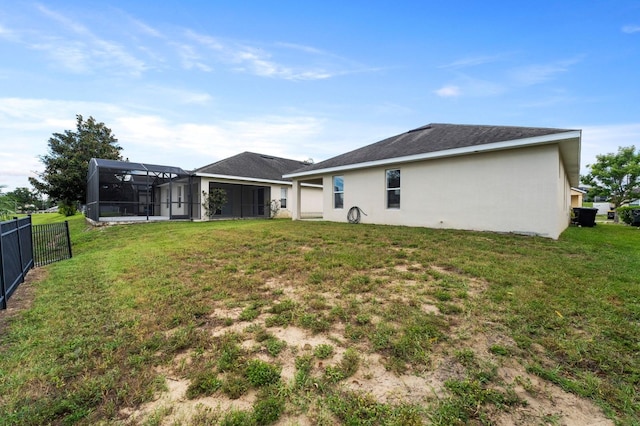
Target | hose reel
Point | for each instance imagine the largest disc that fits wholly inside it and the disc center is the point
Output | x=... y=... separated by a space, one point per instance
x=354 y=214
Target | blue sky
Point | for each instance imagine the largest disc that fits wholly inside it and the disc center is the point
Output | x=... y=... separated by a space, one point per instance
x=189 y=83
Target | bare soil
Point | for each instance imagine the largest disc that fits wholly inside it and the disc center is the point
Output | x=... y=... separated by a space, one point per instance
x=546 y=403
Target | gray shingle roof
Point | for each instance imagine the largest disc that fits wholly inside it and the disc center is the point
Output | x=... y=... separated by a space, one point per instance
x=432 y=138
x=252 y=165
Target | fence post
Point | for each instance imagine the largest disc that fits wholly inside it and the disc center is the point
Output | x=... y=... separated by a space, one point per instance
x=66 y=225
x=3 y=292
x=19 y=248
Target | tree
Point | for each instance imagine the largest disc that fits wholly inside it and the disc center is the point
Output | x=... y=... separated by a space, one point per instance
x=615 y=176
x=23 y=198
x=64 y=179
x=7 y=205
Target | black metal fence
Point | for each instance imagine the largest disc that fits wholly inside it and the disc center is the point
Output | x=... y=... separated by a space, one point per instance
x=16 y=256
x=23 y=246
x=51 y=243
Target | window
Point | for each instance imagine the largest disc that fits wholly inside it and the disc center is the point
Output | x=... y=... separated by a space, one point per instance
x=393 y=189
x=338 y=192
x=179 y=196
x=283 y=198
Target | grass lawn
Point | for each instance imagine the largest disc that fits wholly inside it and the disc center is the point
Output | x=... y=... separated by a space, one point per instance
x=274 y=321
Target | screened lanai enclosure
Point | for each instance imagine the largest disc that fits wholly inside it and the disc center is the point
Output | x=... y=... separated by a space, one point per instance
x=126 y=191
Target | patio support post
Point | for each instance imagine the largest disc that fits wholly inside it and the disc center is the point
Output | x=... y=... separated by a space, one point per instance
x=170 y=198
x=296 y=195
x=148 y=197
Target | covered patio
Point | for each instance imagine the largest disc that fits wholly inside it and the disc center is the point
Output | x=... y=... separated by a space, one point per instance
x=123 y=191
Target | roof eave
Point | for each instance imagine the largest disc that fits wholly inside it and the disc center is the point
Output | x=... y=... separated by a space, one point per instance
x=242 y=178
x=495 y=146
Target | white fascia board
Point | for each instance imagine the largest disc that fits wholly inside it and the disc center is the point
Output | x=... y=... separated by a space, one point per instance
x=496 y=146
x=243 y=178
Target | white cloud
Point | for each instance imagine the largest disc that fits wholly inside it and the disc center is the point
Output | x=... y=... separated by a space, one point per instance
x=538 y=73
x=534 y=74
x=82 y=51
x=29 y=123
x=473 y=61
x=153 y=139
x=190 y=59
x=64 y=21
x=630 y=29
x=145 y=28
x=449 y=91
x=7 y=33
x=246 y=58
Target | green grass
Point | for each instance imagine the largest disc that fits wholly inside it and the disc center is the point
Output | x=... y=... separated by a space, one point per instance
x=136 y=298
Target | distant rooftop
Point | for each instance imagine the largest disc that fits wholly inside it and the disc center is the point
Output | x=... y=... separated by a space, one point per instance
x=253 y=165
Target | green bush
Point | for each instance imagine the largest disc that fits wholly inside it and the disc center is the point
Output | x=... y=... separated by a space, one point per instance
x=626 y=213
x=67 y=209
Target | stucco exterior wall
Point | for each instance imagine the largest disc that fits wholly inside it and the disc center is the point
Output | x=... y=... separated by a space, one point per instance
x=312 y=201
x=576 y=198
x=522 y=190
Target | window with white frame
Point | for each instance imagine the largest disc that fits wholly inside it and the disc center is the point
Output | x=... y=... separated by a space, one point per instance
x=393 y=189
x=338 y=192
x=283 y=198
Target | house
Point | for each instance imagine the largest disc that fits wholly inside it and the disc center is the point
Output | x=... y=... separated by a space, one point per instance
x=254 y=185
x=488 y=178
x=577 y=196
x=120 y=191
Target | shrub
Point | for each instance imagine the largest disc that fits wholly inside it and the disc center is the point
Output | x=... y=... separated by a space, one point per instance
x=67 y=209
x=626 y=213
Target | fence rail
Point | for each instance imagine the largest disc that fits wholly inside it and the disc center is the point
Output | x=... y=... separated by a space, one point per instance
x=23 y=246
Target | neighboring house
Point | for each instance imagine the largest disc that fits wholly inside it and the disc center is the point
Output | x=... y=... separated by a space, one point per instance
x=577 y=196
x=454 y=176
x=253 y=182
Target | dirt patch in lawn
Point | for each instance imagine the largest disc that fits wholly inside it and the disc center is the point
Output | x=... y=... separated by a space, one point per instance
x=541 y=402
